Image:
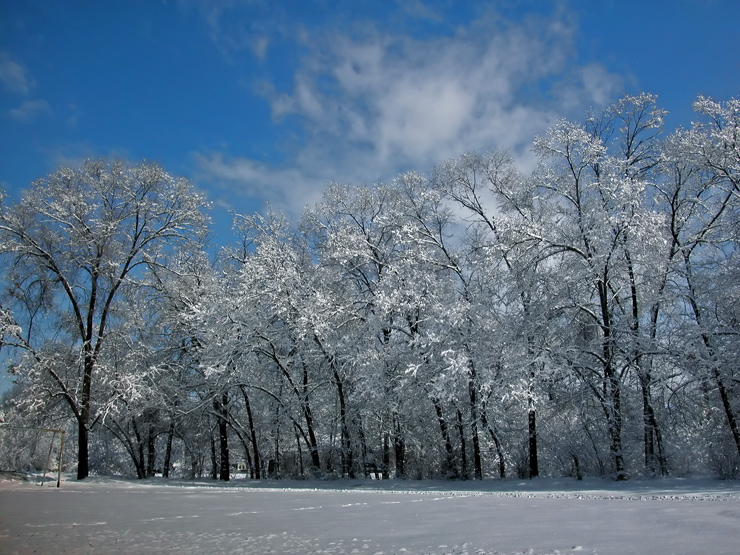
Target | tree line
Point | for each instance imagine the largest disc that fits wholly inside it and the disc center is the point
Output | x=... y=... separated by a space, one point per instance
x=471 y=322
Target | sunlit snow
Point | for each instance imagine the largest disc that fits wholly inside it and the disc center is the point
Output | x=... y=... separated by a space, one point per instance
x=542 y=516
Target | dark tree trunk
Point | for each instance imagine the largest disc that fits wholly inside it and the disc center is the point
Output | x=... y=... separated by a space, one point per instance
x=168 y=450
x=150 y=448
x=248 y=461
x=655 y=461
x=399 y=451
x=463 y=449
x=448 y=465
x=300 y=452
x=346 y=453
x=532 y=349
x=253 y=435
x=214 y=461
x=139 y=458
x=386 y=456
x=534 y=468
x=313 y=443
x=83 y=418
x=727 y=406
x=273 y=465
x=301 y=392
x=613 y=408
x=612 y=401
x=577 y=466
x=347 y=456
x=223 y=438
x=614 y=417
x=83 y=436
x=473 y=396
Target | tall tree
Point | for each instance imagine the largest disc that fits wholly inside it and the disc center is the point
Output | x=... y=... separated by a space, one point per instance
x=630 y=130
x=84 y=236
x=704 y=206
x=501 y=265
x=592 y=212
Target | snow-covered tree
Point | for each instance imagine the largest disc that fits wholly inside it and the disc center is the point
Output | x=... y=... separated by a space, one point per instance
x=75 y=245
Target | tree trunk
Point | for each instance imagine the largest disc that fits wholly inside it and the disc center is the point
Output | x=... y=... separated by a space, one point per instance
x=83 y=420
x=654 y=461
x=463 y=454
x=83 y=469
x=255 y=444
x=386 y=456
x=612 y=401
x=363 y=450
x=168 y=450
x=399 y=450
x=724 y=397
x=448 y=466
x=134 y=447
x=300 y=451
x=150 y=448
x=614 y=417
x=248 y=461
x=214 y=459
x=347 y=455
x=223 y=438
x=651 y=434
x=496 y=442
x=253 y=435
x=727 y=406
x=473 y=397
x=139 y=458
x=313 y=443
x=532 y=349
x=534 y=467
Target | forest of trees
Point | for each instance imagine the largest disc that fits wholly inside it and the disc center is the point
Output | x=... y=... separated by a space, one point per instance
x=470 y=322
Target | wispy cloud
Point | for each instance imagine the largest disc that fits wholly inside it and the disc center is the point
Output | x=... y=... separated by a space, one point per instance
x=237 y=26
x=374 y=105
x=259 y=47
x=29 y=110
x=13 y=75
x=418 y=9
x=286 y=189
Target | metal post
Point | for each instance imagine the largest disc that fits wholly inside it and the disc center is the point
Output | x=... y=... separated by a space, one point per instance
x=59 y=470
x=61 y=447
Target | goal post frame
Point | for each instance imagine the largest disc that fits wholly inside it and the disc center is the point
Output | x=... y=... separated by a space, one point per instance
x=51 y=446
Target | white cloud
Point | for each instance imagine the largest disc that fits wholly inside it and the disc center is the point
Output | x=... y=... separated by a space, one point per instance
x=13 y=75
x=591 y=83
x=29 y=110
x=379 y=104
x=287 y=189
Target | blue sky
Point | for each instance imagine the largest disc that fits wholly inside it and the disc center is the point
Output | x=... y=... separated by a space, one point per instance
x=266 y=101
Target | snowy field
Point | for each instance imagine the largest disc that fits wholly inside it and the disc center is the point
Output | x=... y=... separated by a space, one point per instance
x=543 y=516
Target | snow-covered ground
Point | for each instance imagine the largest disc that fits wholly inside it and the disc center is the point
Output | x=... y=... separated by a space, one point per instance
x=542 y=516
